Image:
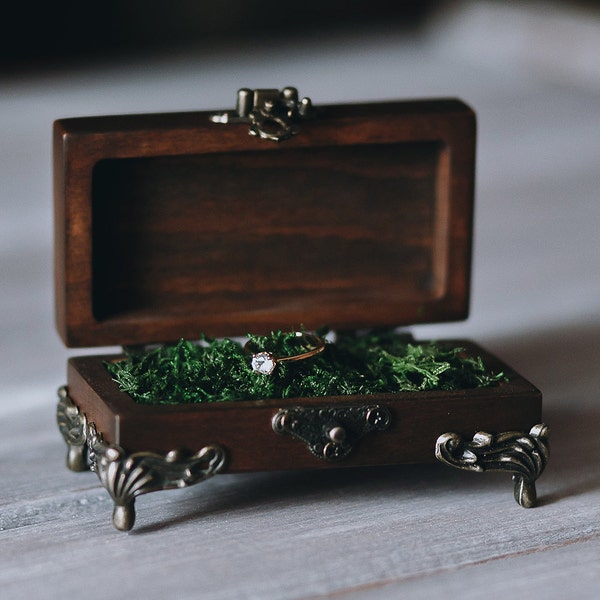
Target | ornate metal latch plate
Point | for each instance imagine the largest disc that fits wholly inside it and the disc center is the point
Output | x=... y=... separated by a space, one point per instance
x=271 y=114
x=330 y=433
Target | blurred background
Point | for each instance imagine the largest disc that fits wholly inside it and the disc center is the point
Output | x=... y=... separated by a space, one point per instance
x=68 y=32
x=531 y=70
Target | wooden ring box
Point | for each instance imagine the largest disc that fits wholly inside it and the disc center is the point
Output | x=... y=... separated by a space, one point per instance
x=172 y=225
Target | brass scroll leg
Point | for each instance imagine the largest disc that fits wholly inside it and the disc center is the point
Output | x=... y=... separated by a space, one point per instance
x=73 y=427
x=524 y=455
x=126 y=476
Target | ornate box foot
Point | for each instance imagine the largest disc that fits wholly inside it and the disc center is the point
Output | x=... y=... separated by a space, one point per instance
x=523 y=455
x=72 y=425
x=126 y=476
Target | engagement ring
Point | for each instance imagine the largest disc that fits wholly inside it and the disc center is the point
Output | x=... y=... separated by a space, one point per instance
x=265 y=362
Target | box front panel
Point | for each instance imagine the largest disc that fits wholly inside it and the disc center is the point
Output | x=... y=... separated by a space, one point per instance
x=245 y=429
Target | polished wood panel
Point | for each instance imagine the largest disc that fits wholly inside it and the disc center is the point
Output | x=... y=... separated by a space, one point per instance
x=168 y=226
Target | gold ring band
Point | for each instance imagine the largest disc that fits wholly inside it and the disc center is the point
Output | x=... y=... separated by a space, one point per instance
x=264 y=362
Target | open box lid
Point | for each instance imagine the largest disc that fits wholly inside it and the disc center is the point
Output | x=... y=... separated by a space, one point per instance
x=172 y=225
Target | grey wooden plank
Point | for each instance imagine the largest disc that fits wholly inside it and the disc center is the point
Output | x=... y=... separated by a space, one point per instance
x=563 y=571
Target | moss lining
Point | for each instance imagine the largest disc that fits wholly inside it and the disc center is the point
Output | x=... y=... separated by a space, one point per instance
x=216 y=370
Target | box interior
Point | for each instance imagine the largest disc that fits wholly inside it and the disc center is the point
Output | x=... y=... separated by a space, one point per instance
x=298 y=232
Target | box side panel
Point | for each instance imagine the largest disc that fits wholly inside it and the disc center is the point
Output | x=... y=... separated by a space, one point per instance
x=60 y=236
x=89 y=389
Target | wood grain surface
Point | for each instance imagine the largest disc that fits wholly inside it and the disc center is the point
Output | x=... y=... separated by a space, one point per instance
x=171 y=226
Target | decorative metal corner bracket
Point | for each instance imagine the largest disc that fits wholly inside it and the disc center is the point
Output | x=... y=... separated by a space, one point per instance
x=72 y=424
x=126 y=476
x=523 y=455
x=330 y=433
x=272 y=114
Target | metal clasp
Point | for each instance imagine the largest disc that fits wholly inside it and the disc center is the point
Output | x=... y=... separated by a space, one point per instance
x=331 y=432
x=272 y=114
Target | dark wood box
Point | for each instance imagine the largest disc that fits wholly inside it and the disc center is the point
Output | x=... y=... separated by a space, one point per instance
x=173 y=225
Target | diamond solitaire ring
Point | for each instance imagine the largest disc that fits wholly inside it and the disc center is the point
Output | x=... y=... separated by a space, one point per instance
x=265 y=362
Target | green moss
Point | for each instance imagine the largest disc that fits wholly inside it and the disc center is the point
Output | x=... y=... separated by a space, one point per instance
x=219 y=370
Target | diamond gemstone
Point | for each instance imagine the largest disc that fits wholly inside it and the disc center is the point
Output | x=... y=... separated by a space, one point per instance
x=263 y=363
